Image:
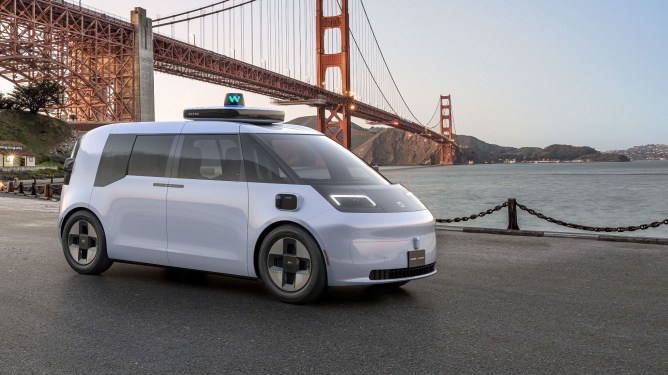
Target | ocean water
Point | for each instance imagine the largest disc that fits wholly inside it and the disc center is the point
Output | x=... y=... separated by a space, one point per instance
x=593 y=194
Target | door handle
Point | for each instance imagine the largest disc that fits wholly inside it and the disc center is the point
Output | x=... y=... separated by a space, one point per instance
x=168 y=185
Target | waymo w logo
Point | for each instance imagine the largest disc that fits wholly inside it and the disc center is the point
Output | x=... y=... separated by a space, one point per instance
x=234 y=99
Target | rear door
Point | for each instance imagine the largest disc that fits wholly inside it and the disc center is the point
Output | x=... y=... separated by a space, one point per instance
x=131 y=190
x=207 y=201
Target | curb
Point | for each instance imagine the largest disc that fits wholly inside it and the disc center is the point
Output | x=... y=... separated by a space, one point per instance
x=580 y=236
x=27 y=196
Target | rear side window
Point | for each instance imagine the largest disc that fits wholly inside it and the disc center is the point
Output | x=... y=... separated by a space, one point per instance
x=115 y=157
x=210 y=157
x=150 y=155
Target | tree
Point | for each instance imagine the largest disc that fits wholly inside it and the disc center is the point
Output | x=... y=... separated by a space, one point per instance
x=38 y=96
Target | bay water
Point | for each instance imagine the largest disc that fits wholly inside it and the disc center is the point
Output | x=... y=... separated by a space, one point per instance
x=592 y=194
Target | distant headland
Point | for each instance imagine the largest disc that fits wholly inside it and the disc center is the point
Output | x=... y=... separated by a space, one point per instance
x=388 y=146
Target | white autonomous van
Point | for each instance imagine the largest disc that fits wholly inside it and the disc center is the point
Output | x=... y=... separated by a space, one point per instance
x=234 y=192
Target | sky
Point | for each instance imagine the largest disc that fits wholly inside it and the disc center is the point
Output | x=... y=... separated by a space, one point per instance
x=520 y=72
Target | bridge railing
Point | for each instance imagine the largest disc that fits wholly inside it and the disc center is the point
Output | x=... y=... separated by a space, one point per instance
x=94 y=11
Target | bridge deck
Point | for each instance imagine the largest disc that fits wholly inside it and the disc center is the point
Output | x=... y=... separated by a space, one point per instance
x=498 y=304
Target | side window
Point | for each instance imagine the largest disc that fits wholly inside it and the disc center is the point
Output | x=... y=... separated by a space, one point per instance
x=259 y=166
x=150 y=155
x=304 y=159
x=210 y=157
x=115 y=156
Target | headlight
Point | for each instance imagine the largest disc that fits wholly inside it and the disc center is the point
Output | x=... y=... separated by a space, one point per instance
x=370 y=198
x=353 y=201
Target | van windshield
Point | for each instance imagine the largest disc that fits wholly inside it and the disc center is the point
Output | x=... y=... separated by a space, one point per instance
x=318 y=160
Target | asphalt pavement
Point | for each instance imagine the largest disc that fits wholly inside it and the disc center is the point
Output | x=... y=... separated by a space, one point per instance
x=499 y=304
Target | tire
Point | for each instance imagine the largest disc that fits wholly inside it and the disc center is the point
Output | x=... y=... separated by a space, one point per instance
x=291 y=265
x=84 y=244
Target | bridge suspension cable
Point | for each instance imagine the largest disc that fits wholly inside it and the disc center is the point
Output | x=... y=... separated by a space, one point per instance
x=189 y=11
x=370 y=67
x=373 y=33
x=203 y=14
x=428 y=124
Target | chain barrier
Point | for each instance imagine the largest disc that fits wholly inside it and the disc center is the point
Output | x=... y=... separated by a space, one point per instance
x=630 y=228
x=474 y=216
x=513 y=219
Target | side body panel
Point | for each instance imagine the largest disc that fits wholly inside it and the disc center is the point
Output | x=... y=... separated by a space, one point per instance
x=207 y=225
x=133 y=212
x=133 y=209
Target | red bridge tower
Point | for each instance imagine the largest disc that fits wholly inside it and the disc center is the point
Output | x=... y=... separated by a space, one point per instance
x=334 y=120
x=446 y=121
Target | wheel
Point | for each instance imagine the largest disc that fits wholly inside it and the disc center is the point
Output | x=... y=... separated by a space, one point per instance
x=84 y=244
x=291 y=265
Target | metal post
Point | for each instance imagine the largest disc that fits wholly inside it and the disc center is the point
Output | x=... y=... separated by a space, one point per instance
x=33 y=188
x=512 y=214
x=10 y=189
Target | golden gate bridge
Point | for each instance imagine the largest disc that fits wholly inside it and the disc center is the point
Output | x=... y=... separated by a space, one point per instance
x=322 y=53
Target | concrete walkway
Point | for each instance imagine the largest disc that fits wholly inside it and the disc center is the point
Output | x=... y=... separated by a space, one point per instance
x=499 y=304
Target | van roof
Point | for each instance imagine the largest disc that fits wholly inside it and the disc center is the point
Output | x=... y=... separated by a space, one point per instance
x=207 y=126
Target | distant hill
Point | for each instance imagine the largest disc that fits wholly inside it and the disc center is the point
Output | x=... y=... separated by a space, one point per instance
x=389 y=146
x=397 y=147
x=645 y=152
x=48 y=137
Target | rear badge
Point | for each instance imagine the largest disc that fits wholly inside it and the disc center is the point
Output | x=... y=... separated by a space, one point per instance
x=401 y=204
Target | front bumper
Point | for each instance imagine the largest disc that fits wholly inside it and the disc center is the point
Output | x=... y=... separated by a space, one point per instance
x=372 y=248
